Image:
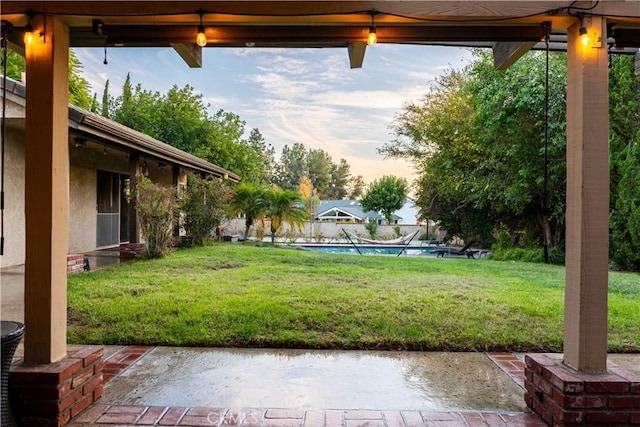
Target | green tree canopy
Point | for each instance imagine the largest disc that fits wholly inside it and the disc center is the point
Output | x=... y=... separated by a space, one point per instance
x=330 y=180
x=477 y=140
x=283 y=207
x=386 y=195
x=266 y=157
x=79 y=87
x=180 y=118
x=292 y=167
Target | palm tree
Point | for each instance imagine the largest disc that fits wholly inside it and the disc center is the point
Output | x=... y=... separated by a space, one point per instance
x=248 y=199
x=283 y=206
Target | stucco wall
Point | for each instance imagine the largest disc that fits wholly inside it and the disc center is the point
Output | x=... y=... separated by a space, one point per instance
x=82 y=210
x=162 y=176
x=92 y=156
x=14 y=220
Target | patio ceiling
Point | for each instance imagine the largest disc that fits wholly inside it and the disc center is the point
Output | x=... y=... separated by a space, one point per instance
x=510 y=28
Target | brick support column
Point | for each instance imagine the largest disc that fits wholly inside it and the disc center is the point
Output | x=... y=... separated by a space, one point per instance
x=55 y=393
x=564 y=397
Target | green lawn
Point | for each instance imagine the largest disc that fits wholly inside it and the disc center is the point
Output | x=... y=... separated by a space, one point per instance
x=237 y=295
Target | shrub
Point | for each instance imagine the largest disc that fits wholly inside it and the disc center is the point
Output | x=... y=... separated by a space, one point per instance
x=625 y=218
x=372 y=227
x=529 y=254
x=203 y=207
x=155 y=206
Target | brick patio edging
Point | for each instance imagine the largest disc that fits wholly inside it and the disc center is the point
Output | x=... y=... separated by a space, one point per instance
x=123 y=415
x=563 y=396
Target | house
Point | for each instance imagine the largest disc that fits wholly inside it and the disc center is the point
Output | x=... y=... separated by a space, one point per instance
x=103 y=157
x=409 y=213
x=344 y=211
x=350 y=211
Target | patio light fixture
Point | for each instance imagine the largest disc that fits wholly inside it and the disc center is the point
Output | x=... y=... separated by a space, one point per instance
x=28 y=32
x=584 y=34
x=372 y=39
x=201 y=38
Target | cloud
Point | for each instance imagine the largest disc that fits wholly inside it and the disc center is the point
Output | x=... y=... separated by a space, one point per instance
x=309 y=96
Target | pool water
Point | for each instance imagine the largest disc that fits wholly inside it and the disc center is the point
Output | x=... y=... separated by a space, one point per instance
x=373 y=249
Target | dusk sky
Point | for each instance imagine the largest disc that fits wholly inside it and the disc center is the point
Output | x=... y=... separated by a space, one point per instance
x=310 y=96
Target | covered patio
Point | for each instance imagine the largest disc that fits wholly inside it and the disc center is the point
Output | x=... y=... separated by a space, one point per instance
x=588 y=30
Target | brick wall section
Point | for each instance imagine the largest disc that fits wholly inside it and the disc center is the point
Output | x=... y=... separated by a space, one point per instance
x=75 y=263
x=563 y=396
x=129 y=251
x=53 y=394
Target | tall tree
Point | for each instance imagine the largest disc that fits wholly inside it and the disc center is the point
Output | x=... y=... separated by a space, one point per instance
x=356 y=187
x=291 y=167
x=266 y=156
x=94 y=103
x=106 y=101
x=385 y=195
x=319 y=165
x=340 y=180
x=477 y=139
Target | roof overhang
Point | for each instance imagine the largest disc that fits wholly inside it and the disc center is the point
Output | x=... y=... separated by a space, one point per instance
x=510 y=28
x=99 y=129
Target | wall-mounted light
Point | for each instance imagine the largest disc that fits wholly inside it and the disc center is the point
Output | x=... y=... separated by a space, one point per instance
x=105 y=150
x=590 y=35
x=372 y=39
x=162 y=165
x=201 y=38
x=79 y=142
x=28 y=32
x=584 y=34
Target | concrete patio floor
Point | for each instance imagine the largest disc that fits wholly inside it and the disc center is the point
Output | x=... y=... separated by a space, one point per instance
x=277 y=387
x=179 y=386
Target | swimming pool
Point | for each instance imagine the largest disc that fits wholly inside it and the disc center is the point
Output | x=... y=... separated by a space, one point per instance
x=392 y=250
x=372 y=249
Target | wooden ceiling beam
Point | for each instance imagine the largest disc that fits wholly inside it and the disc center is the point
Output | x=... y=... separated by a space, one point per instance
x=190 y=53
x=356 y=54
x=299 y=36
x=505 y=54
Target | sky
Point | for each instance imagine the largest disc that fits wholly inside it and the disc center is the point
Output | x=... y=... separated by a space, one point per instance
x=310 y=96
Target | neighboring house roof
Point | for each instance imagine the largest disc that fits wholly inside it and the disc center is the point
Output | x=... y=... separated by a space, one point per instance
x=351 y=208
x=113 y=134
